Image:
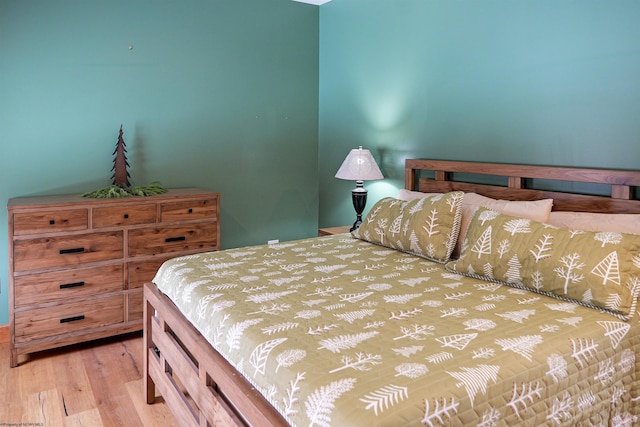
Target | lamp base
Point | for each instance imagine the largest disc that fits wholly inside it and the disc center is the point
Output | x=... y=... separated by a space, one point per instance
x=359 y=198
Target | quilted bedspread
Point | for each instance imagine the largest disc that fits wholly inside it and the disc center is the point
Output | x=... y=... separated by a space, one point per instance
x=337 y=331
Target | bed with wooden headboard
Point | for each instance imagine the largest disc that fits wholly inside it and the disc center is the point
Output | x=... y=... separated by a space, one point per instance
x=502 y=296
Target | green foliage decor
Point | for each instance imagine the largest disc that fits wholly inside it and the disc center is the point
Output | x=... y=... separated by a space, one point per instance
x=113 y=191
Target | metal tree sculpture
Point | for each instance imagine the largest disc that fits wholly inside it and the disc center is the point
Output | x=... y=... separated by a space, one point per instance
x=120 y=174
x=121 y=186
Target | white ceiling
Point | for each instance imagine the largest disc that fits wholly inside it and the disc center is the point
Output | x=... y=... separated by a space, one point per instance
x=316 y=2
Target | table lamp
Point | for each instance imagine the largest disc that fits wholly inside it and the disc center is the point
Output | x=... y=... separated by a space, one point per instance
x=359 y=166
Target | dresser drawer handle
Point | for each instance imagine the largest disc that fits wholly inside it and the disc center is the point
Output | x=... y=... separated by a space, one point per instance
x=190 y=210
x=72 y=319
x=71 y=285
x=71 y=251
x=52 y=221
x=175 y=239
x=126 y=216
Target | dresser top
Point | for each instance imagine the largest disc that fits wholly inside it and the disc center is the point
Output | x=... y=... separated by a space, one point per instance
x=77 y=198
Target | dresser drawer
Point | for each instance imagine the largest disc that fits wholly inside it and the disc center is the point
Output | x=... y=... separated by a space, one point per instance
x=196 y=209
x=67 y=250
x=50 y=221
x=62 y=285
x=152 y=241
x=124 y=215
x=141 y=272
x=45 y=322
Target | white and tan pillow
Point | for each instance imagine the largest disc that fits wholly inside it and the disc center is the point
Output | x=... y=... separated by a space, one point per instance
x=596 y=269
x=588 y=221
x=427 y=226
x=537 y=210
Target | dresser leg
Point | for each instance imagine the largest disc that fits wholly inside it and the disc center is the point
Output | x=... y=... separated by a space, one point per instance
x=13 y=357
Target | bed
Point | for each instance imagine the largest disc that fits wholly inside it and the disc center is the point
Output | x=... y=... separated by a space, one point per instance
x=484 y=294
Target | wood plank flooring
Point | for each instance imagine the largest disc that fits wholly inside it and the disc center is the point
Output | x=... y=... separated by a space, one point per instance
x=90 y=384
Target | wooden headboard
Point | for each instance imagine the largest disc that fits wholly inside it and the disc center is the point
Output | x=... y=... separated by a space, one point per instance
x=527 y=182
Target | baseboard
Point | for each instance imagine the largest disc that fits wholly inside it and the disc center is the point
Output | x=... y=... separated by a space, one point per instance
x=4 y=334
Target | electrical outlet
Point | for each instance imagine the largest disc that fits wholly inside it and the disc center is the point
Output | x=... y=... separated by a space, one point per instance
x=273 y=242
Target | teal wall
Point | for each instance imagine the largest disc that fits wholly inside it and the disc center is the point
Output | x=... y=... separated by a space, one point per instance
x=215 y=93
x=541 y=82
x=224 y=94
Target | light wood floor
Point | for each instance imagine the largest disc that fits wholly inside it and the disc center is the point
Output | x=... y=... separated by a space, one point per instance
x=95 y=384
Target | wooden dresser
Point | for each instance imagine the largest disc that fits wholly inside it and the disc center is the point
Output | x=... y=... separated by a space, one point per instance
x=77 y=265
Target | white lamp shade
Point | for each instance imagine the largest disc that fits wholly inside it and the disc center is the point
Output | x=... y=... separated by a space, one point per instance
x=359 y=166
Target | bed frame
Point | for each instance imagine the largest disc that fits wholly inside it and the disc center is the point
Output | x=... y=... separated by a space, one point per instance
x=202 y=389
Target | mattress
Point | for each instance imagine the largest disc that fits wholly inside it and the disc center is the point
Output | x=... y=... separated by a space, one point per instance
x=337 y=331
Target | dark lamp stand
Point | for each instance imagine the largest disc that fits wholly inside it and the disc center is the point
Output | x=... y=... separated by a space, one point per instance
x=359 y=197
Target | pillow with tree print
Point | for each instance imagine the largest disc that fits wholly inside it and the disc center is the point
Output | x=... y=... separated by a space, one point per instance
x=595 y=269
x=427 y=227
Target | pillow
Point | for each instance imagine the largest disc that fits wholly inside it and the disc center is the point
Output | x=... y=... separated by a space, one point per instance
x=622 y=223
x=427 y=227
x=537 y=210
x=408 y=195
x=596 y=269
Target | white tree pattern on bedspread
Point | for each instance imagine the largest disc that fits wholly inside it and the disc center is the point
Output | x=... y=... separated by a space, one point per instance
x=336 y=331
